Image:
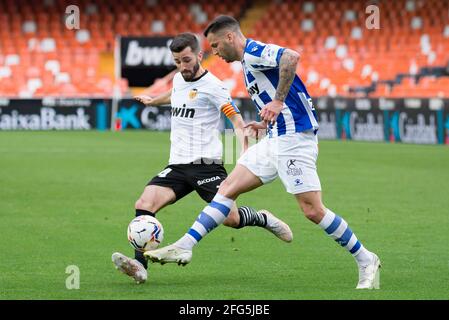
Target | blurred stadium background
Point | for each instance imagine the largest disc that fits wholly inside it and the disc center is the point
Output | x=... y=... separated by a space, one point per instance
x=407 y=57
x=113 y=50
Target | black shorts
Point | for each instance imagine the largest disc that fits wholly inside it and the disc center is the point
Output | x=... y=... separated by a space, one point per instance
x=185 y=178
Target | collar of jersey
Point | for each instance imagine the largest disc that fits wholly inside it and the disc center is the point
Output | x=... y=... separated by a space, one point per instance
x=248 y=41
x=196 y=79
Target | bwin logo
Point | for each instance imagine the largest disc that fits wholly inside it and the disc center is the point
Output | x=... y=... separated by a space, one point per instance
x=183 y=112
x=148 y=56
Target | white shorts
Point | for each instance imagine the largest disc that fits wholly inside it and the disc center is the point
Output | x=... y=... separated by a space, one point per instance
x=292 y=157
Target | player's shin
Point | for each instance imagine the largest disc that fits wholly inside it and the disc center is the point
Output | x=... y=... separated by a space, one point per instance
x=337 y=228
x=212 y=216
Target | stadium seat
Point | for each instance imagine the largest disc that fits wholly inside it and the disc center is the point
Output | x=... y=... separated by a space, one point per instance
x=330 y=35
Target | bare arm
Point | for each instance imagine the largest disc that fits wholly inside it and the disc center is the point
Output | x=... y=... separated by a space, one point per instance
x=159 y=100
x=256 y=129
x=239 y=125
x=287 y=72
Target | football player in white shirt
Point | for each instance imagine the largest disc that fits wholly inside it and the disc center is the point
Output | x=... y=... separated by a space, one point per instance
x=290 y=149
x=197 y=98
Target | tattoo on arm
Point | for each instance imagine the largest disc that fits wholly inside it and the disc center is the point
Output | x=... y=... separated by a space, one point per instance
x=287 y=71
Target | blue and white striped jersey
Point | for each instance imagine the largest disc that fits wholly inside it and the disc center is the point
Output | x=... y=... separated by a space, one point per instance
x=261 y=70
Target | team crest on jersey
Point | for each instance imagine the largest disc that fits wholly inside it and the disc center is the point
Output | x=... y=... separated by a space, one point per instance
x=193 y=93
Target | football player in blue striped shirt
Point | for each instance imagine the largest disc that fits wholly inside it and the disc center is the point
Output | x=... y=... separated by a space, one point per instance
x=289 y=150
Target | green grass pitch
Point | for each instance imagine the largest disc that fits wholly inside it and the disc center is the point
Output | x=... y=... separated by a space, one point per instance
x=66 y=199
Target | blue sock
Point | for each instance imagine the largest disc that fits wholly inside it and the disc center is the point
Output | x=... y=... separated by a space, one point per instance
x=337 y=228
x=211 y=217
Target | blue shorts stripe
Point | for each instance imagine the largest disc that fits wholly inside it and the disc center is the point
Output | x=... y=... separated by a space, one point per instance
x=207 y=221
x=195 y=234
x=344 y=239
x=355 y=247
x=334 y=225
x=220 y=207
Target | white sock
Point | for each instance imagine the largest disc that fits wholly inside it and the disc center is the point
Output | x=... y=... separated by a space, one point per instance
x=363 y=256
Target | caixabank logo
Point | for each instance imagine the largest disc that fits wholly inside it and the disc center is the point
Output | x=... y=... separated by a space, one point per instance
x=420 y=121
x=414 y=127
x=54 y=114
x=363 y=125
x=446 y=130
x=127 y=117
x=328 y=125
x=132 y=115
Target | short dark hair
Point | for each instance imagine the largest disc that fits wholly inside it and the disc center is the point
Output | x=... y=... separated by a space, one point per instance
x=221 y=22
x=184 y=40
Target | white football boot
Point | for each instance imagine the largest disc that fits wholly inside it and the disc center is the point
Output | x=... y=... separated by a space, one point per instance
x=130 y=267
x=170 y=253
x=369 y=276
x=278 y=227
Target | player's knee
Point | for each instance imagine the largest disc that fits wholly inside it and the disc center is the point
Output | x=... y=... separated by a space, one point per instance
x=227 y=189
x=313 y=213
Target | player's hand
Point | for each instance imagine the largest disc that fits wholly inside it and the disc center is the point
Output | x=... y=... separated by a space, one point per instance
x=253 y=129
x=270 y=112
x=147 y=100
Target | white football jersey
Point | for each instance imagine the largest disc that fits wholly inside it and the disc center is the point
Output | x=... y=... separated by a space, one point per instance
x=195 y=118
x=261 y=63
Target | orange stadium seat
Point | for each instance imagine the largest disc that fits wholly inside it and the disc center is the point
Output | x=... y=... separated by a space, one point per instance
x=78 y=62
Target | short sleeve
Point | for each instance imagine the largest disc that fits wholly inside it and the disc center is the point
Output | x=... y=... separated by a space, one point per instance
x=221 y=98
x=259 y=56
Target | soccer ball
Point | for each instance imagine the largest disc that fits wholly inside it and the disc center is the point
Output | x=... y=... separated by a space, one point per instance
x=145 y=233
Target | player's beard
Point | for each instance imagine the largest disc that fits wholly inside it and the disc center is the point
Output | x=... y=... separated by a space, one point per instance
x=229 y=57
x=190 y=75
x=229 y=54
